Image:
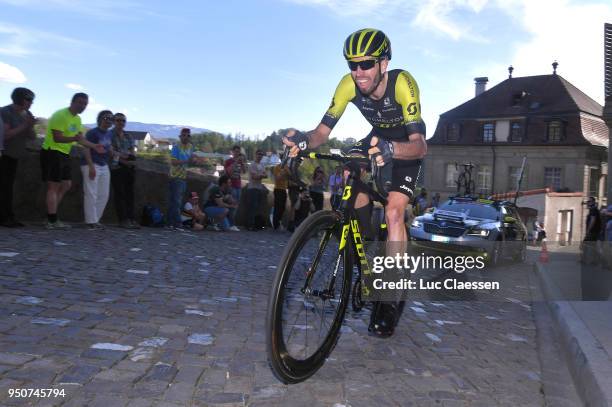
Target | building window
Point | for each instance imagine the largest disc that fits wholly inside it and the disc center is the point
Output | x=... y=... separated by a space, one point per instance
x=488 y=133
x=594 y=174
x=516 y=133
x=452 y=132
x=552 y=177
x=555 y=131
x=514 y=174
x=483 y=179
x=451 y=176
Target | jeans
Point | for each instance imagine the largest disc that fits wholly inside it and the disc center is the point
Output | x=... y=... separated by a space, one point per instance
x=214 y=212
x=236 y=194
x=177 y=188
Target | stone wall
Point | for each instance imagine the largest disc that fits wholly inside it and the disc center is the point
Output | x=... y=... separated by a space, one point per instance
x=151 y=187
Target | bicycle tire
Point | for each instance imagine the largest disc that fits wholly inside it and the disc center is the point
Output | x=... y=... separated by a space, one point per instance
x=356 y=300
x=287 y=367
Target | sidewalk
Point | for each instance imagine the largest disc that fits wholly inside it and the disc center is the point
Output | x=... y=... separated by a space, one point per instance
x=580 y=299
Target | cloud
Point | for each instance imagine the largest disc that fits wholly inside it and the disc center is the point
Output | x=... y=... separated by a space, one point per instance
x=11 y=74
x=572 y=34
x=353 y=7
x=99 y=9
x=75 y=86
x=22 y=42
x=441 y=16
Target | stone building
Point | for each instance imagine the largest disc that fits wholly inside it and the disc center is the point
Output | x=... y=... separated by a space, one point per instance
x=543 y=118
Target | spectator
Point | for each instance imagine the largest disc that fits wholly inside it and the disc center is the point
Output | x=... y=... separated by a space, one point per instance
x=180 y=157
x=234 y=168
x=294 y=194
x=317 y=187
x=123 y=173
x=63 y=131
x=192 y=216
x=18 y=128
x=256 y=191
x=593 y=221
x=593 y=227
x=218 y=207
x=609 y=224
x=420 y=203
x=96 y=174
x=335 y=187
x=435 y=201
x=281 y=178
x=540 y=232
x=303 y=207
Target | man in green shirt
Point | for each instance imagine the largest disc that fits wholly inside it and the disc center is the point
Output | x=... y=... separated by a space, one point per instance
x=63 y=131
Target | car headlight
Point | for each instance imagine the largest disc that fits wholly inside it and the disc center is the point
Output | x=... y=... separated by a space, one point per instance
x=479 y=232
x=416 y=224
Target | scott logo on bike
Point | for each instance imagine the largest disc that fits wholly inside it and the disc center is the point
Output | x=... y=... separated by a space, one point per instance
x=347 y=193
x=365 y=268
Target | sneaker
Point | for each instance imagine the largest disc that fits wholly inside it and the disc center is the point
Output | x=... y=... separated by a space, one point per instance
x=57 y=225
x=133 y=224
x=99 y=226
x=216 y=228
x=233 y=229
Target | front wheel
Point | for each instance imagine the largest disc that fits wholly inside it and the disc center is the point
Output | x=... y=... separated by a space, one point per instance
x=309 y=297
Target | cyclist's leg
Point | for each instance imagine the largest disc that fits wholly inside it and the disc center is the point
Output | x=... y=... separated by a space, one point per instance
x=385 y=314
x=363 y=209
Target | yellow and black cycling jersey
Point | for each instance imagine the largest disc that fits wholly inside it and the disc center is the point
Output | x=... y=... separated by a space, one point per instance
x=395 y=116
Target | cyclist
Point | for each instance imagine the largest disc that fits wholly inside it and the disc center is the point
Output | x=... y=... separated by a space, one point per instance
x=389 y=100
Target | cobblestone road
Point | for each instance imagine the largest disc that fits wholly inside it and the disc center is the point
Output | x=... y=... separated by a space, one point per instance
x=163 y=318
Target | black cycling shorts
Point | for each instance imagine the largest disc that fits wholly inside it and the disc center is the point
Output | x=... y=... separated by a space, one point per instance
x=405 y=173
x=55 y=166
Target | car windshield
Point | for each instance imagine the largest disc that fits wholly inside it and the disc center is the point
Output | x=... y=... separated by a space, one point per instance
x=471 y=209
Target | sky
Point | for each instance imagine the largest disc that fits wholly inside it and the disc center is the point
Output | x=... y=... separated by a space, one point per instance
x=253 y=67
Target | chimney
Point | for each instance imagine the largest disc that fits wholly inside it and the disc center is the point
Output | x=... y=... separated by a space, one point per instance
x=481 y=84
x=555 y=65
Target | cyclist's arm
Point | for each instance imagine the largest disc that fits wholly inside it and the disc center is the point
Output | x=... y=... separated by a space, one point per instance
x=407 y=95
x=413 y=149
x=318 y=136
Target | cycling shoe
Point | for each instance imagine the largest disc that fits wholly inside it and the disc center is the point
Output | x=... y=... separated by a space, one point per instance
x=383 y=319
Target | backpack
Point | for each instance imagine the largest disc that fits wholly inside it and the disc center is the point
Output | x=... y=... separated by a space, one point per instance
x=152 y=216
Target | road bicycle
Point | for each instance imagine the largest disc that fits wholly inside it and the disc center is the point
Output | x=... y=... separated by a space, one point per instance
x=311 y=289
x=464 y=180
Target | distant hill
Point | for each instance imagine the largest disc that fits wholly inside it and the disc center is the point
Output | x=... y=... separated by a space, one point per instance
x=160 y=130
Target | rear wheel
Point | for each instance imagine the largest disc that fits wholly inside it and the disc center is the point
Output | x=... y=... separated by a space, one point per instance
x=309 y=297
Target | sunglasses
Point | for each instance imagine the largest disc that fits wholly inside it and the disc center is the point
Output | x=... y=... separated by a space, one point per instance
x=28 y=99
x=364 y=65
x=120 y=120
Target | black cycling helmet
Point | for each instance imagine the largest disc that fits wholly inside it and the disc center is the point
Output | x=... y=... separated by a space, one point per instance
x=20 y=95
x=367 y=42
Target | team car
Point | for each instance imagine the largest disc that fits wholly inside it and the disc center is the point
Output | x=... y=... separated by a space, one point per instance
x=490 y=228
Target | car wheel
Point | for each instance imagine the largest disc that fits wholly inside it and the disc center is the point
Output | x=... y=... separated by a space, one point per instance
x=495 y=254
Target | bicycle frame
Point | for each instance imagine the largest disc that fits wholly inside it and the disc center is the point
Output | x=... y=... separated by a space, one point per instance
x=350 y=225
